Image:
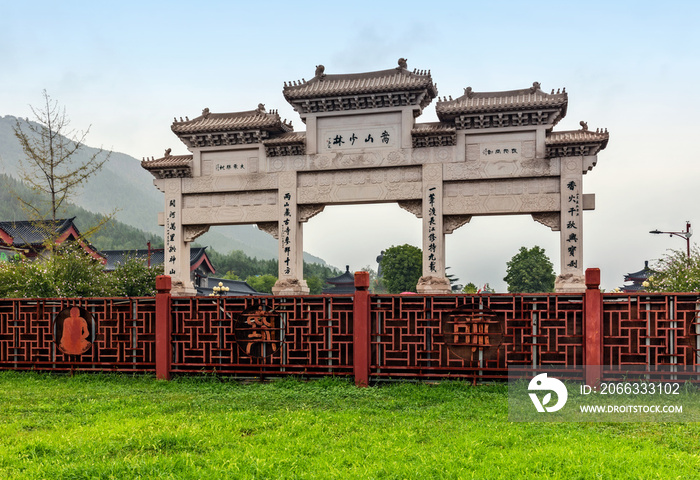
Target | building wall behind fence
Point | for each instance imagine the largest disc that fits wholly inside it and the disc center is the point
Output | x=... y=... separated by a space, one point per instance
x=410 y=336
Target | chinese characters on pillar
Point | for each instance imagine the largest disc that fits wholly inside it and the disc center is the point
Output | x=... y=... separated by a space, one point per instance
x=571 y=223
x=170 y=232
x=432 y=231
x=285 y=233
x=360 y=138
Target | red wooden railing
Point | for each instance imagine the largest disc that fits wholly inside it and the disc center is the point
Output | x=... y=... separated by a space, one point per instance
x=475 y=337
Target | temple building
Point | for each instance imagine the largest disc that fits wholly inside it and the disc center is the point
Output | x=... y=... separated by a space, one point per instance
x=490 y=153
x=344 y=283
x=638 y=279
x=31 y=237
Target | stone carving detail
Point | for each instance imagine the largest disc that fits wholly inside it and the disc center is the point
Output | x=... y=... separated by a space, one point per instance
x=528 y=149
x=413 y=206
x=473 y=152
x=193 y=231
x=570 y=283
x=343 y=186
x=549 y=219
x=285 y=150
x=229 y=215
x=308 y=211
x=450 y=223
x=269 y=227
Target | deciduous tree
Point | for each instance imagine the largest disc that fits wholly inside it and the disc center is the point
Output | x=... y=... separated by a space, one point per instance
x=401 y=268
x=530 y=271
x=676 y=272
x=51 y=164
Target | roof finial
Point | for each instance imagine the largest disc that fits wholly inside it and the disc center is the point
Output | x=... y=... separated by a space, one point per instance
x=205 y=112
x=261 y=108
x=535 y=86
x=167 y=152
x=403 y=64
x=584 y=125
x=187 y=119
x=469 y=92
x=319 y=71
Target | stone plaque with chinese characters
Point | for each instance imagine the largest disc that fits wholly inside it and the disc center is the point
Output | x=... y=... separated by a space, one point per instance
x=355 y=133
x=234 y=162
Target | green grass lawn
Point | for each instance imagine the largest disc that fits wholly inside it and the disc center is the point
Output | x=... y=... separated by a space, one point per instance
x=104 y=426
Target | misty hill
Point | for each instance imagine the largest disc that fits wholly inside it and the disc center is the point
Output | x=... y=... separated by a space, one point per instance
x=113 y=235
x=123 y=185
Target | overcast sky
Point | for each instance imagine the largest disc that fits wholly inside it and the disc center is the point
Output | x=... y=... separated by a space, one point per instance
x=127 y=68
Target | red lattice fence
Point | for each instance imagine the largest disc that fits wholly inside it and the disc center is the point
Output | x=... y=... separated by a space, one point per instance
x=122 y=333
x=474 y=337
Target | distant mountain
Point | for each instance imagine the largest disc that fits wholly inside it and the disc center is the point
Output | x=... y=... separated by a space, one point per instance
x=123 y=185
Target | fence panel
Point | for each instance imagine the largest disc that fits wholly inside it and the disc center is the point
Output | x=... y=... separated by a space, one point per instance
x=651 y=329
x=258 y=336
x=473 y=336
x=120 y=337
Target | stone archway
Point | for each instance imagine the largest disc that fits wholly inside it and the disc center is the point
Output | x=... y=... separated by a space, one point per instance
x=491 y=153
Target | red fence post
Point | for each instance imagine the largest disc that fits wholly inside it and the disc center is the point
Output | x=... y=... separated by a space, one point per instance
x=163 y=330
x=593 y=328
x=361 y=330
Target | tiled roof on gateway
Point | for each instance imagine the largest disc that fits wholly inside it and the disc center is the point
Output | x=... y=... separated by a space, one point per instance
x=208 y=122
x=482 y=102
x=393 y=80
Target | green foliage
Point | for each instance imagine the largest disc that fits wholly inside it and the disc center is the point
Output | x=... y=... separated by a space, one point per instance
x=402 y=267
x=123 y=427
x=470 y=288
x=315 y=285
x=112 y=235
x=68 y=272
x=239 y=265
x=134 y=278
x=530 y=271
x=231 y=276
x=675 y=272
x=262 y=283
x=316 y=275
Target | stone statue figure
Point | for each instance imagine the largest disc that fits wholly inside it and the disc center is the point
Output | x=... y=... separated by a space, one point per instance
x=75 y=333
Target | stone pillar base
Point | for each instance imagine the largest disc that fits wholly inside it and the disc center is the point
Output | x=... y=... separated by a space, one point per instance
x=570 y=283
x=290 y=286
x=432 y=284
x=180 y=289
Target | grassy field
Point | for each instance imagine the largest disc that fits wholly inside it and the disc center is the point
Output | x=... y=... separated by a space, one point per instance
x=103 y=426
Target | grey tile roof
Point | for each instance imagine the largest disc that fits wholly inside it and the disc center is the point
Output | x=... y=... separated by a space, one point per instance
x=25 y=233
x=168 y=162
x=486 y=102
x=116 y=257
x=235 y=121
x=360 y=83
x=573 y=137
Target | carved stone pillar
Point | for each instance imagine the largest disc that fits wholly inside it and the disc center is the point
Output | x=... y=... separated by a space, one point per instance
x=291 y=246
x=571 y=278
x=177 y=250
x=433 y=279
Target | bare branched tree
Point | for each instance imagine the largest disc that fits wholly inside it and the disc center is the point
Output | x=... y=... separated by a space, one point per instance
x=50 y=165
